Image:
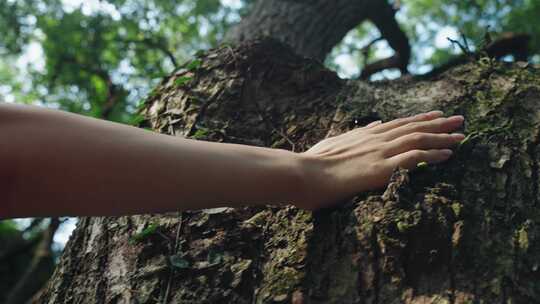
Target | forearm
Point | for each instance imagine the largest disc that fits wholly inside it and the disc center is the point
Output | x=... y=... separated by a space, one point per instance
x=68 y=164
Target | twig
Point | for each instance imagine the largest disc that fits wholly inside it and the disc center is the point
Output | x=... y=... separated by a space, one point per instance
x=367 y=47
x=465 y=41
x=365 y=50
x=464 y=48
x=35 y=222
x=506 y=43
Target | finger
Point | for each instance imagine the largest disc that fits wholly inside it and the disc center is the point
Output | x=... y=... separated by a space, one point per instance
x=405 y=120
x=421 y=141
x=410 y=159
x=439 y=125
x=360 y=129
x=372 y=124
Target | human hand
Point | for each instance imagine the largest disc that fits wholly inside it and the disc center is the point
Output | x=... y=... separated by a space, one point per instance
x=364 y=158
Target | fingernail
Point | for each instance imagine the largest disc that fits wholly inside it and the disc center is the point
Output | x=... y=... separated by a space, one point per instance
x=429 y=114
x=458 y=136
x=446 y=152
x=456 y=118
x=435 y=113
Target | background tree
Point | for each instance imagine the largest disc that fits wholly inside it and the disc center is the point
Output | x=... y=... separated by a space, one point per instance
x=182 y=124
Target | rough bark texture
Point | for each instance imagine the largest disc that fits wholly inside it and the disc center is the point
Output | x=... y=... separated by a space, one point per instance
x=466 y=231
x=313 y=28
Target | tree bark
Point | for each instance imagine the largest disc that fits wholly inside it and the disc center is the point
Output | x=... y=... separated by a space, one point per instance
x=313 y=28
x=465 y=231
x=462 y=232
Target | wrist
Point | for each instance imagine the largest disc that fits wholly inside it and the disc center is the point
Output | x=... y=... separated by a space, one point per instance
x=292 y=180
x=312 y=181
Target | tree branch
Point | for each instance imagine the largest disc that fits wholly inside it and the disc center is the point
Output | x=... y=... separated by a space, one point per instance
x=516 y=44
x=28 y=284
x=156 y=45
x=113 y=90
x=384 y=19
x=380 y=65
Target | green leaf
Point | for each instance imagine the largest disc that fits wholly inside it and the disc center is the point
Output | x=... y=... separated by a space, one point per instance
x=151 y=229
x=195 y=64
x=140 y=106
x=180 y=81
x=200 y=133
x=136 y=120
x=8 y=227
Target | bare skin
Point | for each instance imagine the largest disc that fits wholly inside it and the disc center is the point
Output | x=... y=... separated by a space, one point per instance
x=56 y=163
x=364 y=158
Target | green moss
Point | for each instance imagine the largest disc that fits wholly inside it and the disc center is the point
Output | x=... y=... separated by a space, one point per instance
x=523 y=238
x=456 y=207
x=403 y=227
x=486 y=113
x=345 y=277
x=144 y=234
x=284 y=280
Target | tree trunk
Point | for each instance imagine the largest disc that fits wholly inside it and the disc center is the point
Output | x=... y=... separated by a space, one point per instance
x=466 y=231
x=313 y=28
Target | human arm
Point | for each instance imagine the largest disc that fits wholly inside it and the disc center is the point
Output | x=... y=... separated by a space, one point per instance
x=58 y=163
x=68 y=164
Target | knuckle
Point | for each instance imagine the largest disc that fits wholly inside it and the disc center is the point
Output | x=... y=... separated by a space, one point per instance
x=384 y=150
x=418 y=138
x=439 y=122
x=372 y=138
x=406 y=119
x=445 y=137
x=413 y=126
x=418 y=154
x=402 y=119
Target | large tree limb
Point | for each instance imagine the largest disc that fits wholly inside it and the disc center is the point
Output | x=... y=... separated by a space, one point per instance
x=311 y=28
x=384 y=19
x=155 y=43
x=508 y=43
